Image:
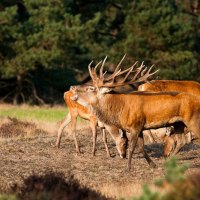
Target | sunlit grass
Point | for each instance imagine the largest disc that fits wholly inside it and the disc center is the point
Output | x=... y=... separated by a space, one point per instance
x=25 y=112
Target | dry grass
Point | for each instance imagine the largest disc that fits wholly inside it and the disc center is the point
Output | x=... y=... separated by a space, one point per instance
x=120 y=190
x=27 y=148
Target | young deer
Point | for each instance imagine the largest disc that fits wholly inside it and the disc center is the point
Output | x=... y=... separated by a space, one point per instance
x=75 y=110
x=173 y=143
x=140 y=110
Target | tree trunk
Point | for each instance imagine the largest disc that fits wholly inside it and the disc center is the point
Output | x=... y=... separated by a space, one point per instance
x=18 y=90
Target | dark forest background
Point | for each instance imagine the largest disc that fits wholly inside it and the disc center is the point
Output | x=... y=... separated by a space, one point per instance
x=46 y=45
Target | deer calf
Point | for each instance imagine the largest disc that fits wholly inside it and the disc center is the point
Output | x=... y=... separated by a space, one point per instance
x=75 y=110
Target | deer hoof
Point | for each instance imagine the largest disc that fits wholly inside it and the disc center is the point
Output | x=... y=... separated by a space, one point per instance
x=55 y=145
x=152 y=165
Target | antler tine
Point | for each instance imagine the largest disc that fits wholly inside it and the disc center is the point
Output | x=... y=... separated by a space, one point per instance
x=92 y=71
x=117 y=68
x=130 y=69
x=116 y=71
x=104 y=73
x=144 y=78
x=95 y=68
x=141 y=71
x=138 y=71
x=101 y=69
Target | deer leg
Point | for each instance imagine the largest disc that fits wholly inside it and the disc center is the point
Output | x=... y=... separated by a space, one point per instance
x=179 y=137
x=120 y=139
x=73 y=128
x=105 y=141
x=150 y=136
x=93 y=124
x=169 y=145
x=195 y=129
x=133 y=137
x=142 y=150
x=180 y=142
x=61 y=128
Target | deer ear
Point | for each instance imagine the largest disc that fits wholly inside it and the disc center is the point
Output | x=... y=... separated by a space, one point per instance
x=104 y=90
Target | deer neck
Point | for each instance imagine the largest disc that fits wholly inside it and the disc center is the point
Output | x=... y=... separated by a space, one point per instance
x=108 y=109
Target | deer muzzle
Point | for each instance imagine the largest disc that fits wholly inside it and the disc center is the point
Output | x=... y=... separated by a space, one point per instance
x=74 y=97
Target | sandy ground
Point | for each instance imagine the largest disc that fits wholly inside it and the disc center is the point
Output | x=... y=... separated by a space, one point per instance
x=23 y=154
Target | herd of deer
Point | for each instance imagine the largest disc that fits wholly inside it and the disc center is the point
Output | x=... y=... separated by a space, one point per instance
x=156 y=104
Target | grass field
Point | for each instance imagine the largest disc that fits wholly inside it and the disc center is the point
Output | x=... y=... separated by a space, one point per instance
x=25 y=112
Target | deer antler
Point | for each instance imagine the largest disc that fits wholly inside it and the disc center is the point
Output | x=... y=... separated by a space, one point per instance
x=141 y=75
x=99 y=81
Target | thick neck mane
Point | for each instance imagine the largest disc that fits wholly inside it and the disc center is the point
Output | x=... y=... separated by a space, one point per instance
x=108 y=109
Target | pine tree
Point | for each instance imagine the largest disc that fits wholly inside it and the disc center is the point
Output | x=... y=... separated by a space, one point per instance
x=164 y=33
x=39 y=35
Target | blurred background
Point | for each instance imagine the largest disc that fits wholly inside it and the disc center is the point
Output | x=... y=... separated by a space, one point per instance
x=46 y=45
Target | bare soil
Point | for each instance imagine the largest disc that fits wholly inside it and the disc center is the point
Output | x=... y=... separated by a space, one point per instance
x=22 y=156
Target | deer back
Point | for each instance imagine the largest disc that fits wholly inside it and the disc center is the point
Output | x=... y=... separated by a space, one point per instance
x=76 y=108
x=191 y=87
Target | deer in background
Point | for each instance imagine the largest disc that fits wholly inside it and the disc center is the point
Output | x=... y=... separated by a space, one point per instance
x=173 y=143
x=75 y=110
x=138 y=111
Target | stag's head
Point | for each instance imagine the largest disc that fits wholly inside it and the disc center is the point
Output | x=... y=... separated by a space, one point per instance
x=102 y=85
x=121 y=144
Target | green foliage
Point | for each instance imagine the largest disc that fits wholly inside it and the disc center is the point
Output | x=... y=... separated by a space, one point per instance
x=173 y=171
x=162 y=32
x=173 y=178
x=45 y=44
x=8 y=197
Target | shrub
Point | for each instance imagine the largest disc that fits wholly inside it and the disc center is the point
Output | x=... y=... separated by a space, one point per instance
x=175 y=185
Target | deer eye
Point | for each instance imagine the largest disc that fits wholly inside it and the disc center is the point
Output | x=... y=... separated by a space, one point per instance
x=91 y=89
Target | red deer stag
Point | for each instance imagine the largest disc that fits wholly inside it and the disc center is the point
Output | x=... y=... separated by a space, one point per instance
x=75 y=110
x=140 y=110
x=172 y=143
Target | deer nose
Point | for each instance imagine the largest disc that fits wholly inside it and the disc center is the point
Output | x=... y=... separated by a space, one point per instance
x=74 y=97
x=72 y=87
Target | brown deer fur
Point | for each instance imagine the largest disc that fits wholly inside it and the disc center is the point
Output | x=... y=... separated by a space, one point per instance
x=191 y=87
x=171 y=143
x=140 y=111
